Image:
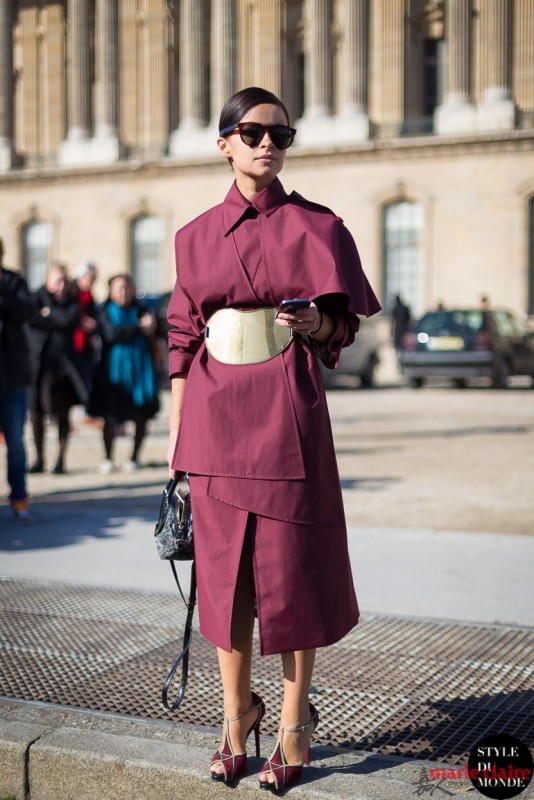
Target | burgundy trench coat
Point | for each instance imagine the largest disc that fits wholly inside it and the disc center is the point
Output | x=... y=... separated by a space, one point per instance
x=256 y=439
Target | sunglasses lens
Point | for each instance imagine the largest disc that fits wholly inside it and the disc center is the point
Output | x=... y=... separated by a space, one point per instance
x=281 y=136
x=251 y=134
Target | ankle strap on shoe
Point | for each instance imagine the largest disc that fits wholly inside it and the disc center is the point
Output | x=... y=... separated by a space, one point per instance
x=299 y=729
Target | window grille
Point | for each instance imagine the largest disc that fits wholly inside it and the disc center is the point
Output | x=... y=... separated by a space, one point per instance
x=147 y=238
x=403 y=254
x=36 y=252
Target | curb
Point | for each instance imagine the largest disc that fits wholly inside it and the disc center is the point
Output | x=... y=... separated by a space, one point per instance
x=49 y=752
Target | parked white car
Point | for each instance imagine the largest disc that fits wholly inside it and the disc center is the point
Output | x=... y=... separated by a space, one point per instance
x=361 y=358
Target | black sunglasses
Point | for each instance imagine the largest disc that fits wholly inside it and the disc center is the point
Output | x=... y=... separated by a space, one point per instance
x=252 y=134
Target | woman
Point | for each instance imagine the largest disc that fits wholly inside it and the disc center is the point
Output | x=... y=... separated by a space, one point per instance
x=86 y=341
x=125 y=385
x=250 y=425
x=58 y=385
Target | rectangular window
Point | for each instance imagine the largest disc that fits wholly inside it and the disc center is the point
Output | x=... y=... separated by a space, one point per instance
x=403 y=254
x=36 y=252
x=147 y=236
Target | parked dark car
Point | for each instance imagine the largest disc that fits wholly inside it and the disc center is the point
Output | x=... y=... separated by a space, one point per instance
x=360 y=359
x=466 y=343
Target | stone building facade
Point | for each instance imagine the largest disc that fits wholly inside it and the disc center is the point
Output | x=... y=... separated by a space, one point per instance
x=415 y=123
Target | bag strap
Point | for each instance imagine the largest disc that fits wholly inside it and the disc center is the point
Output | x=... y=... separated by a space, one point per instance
x=183 y=658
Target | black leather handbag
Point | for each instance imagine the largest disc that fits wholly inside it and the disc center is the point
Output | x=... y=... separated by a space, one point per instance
x=174 y=542
x=174 y=528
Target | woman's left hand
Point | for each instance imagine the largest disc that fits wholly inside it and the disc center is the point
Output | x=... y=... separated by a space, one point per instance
x=304 y=321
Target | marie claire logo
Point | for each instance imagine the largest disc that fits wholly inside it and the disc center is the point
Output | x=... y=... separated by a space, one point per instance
x=499 y=766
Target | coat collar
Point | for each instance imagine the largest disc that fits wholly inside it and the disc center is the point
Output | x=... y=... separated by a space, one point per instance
x=235 y=206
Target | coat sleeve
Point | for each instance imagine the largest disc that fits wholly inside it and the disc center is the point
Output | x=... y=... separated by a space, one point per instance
x=347 y=294
x=186 y=329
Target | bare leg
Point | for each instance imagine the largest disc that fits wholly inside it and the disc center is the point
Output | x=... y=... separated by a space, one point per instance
x=298 y=671
x=235 y=667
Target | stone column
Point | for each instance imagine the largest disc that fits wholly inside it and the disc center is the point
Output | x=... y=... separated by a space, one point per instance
x=192 y=82
x=76 y=148
x=223 y=55
x=496 y=111
x=6 y=86
x=192 y=134
x=523 y=36
x=79 y=90
x=387 y=59
x=353 y=120
x=317 y=124
x=457 y=113
x=267 y=44
x=106 y=142
x=318 y=60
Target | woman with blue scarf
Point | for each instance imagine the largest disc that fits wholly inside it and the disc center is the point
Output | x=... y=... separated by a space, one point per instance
x=125 y=387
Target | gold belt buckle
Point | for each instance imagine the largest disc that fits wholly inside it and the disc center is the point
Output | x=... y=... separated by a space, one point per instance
x=245 y=337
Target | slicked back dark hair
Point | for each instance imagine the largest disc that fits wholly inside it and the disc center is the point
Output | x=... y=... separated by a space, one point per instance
x=241 y=102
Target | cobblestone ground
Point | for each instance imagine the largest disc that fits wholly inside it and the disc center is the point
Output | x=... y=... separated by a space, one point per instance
x=437 y=458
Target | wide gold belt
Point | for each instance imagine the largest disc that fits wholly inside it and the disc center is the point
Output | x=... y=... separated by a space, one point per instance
x=245 y=337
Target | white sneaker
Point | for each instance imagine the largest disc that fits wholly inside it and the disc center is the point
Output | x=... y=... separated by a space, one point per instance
x=130 y=466
x=106 y=466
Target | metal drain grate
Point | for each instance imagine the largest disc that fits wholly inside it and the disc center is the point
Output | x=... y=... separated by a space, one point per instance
x=395 y=686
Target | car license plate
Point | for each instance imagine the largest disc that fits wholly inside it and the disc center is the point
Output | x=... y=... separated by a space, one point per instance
x=445 y=343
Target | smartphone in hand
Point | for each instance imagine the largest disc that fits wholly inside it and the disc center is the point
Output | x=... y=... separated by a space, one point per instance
x=291 y=305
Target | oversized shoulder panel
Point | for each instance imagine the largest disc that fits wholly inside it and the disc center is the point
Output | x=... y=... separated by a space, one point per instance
x=298 y=199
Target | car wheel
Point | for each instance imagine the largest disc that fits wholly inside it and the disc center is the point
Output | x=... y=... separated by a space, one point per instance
x=415 y=383
x=500 y=374
x=367 y=377
x=459 y=383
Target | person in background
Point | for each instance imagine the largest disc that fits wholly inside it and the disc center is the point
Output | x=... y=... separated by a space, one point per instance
x=59 y=384
x=86 y=340
x=400 y=321
x=17 y=306
x=125 y=386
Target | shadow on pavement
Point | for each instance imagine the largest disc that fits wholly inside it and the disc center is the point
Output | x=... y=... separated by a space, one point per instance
x=65 y=518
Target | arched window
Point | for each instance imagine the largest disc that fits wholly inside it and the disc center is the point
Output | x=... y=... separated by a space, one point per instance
x=36 y=251
x=147 y=235
x=403 y=254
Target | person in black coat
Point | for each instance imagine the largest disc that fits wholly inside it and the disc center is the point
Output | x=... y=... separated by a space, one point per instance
x=125 y=386
x=58 y=384
x=400 y=322
x=16 y=307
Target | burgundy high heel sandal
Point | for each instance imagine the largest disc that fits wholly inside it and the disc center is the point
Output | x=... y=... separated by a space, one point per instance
x=235 y=764
x=285 y=774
